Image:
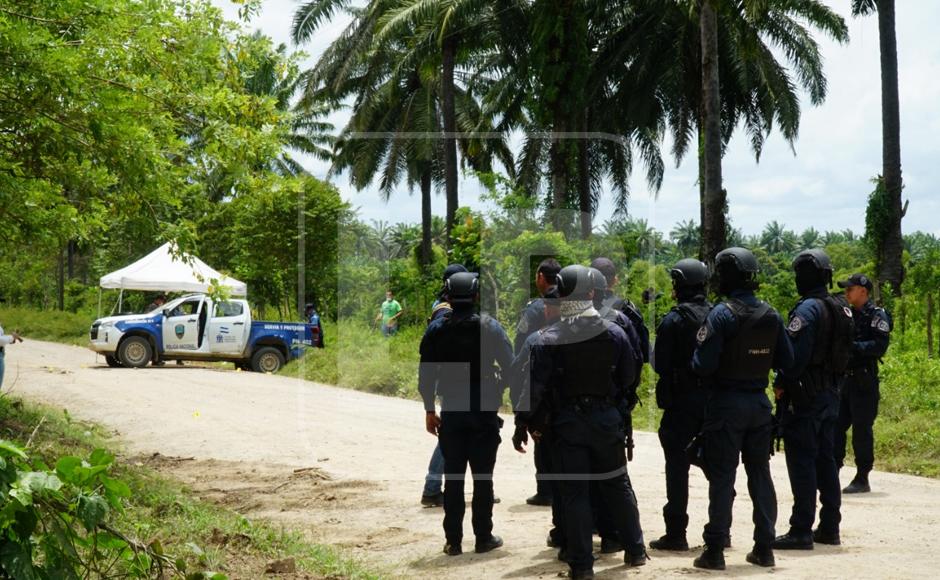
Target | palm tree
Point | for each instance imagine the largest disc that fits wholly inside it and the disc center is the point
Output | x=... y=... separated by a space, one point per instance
x=810 y=239
x=713 y=200
x=776 y=239
x=756 y=89
x=439 y=30
x=308 y=132
x=686 y=237
x=889 y=254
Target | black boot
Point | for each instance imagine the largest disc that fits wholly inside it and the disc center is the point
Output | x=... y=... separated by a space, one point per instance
x=858 y=485
x=761 y=556
x=828 y=538
x=713 y=558
x=671 y=542
x=611 y=546
x=791 y=541
x=453 y=549
x=635 y=560
x=488 y=545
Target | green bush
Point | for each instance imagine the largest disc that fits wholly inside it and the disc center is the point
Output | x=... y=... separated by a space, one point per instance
x=49 y=325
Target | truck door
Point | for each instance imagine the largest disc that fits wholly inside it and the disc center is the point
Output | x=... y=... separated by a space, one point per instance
x=181 y=328
x=228 y=328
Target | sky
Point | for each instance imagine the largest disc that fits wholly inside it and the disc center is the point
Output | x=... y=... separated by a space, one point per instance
x=824 y=185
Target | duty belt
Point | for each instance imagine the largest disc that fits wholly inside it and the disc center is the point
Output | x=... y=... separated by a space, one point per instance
x=588 y=401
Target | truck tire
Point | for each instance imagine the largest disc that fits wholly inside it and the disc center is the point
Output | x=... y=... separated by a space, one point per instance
x=267 y=359
x=135 y=352
x=112 y=361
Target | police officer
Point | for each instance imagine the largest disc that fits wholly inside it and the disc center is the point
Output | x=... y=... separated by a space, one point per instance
x=470 y=395
x=521 y=397
x=808 y=405
x=432 y=494
x=580 y=368
x=679 y=393
x=611 y=300
x=860 y=391
x=313 y=318
x=533 y=319
x=610 y=542
x=742 y=339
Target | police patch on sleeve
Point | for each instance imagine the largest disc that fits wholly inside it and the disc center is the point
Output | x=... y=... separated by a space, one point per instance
x=796 y=325
x=882 y=325
x=702 y=334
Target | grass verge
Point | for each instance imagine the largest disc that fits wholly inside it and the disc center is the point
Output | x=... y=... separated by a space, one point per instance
x=207 y=535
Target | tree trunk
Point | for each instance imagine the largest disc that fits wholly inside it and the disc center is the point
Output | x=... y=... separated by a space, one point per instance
x=584 y=182
x=892 y=268
x=701 y=186
x=558 y=165
x=713 y=221
x=60 y=281
x=70 y=266
x=449 y=50
x=426 y=218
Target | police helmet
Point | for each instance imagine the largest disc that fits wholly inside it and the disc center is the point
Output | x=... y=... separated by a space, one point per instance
x=742 y=259
x=816 y=257
x=462 y=287
x=453 y=269
x=575 y=282
x=309 y=306
x=600 y=281
x=689 y=272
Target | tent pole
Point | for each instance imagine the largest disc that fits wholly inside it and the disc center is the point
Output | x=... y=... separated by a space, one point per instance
x=99 y=302
x=121 y=301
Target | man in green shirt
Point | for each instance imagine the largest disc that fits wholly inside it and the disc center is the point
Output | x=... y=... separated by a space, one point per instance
x=389 y=312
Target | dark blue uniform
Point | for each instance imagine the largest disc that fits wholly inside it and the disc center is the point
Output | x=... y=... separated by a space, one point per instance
x=580 y=369
x=470 y=396
x=532 y=320
x=738 y=422
x=682 y=398
x=808 y=416
x=860 y=391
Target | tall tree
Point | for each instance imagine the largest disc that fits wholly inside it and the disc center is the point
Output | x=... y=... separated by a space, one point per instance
x=714 y=226
x=891 y=247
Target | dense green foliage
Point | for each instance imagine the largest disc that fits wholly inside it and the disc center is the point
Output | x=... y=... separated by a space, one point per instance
x=145 y=522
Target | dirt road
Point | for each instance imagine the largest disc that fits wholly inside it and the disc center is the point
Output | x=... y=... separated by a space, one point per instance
x=347 y=468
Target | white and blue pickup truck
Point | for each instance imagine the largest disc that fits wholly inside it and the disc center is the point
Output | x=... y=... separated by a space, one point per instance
x=197 y=328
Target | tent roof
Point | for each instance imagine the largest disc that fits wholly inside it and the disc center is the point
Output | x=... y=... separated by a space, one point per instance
x=160 y=270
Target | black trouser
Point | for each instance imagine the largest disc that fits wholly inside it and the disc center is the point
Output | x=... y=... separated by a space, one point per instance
x=738 y=424
x=542 y=456
x=858 y=410
x=681 y=422
x=808 y=437
x=468 y=438
x=590 y=447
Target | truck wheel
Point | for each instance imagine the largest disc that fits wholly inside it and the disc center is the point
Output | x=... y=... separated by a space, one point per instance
x=135 y=352
x=112 y=361
x=267 y=359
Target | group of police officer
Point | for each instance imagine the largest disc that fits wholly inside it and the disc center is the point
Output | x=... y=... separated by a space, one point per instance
x=573 y=378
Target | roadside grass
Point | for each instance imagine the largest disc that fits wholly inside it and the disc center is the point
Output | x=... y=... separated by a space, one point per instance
x=53 y=326
x=360 y=358
x=206 y=535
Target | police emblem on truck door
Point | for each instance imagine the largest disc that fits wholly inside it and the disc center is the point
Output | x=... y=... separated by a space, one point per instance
x=180 y=330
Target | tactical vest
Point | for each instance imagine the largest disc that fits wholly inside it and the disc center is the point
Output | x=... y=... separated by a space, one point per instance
x=586 y=366
x=749 y=354
x=460 y=341
x=692 y=316
x=633 y=314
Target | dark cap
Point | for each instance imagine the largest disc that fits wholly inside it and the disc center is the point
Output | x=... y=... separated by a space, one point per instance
x=453 y=269
x=857 y=280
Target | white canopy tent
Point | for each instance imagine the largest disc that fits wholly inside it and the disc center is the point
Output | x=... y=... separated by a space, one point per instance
x=160 y=270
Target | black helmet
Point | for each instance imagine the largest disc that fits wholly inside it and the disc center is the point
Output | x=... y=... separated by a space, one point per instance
x=462 y=287
x=743 y=260
x=575 y=282
x=817 y=257
x=308 y=306
x=600 y=281
x=453 y=269
x=689 y=272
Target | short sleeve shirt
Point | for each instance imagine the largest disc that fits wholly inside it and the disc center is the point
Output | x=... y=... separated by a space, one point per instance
x=389 y=309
